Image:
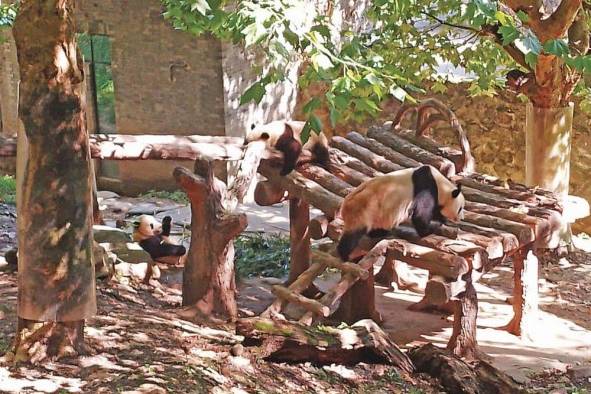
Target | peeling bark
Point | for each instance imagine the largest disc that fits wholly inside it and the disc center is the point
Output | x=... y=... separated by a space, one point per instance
x=56 y=273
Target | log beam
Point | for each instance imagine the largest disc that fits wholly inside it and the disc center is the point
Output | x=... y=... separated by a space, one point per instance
x=165 y=147
x=300 y=187
x=308 y=304
x=365 y=155
x=382 y=150
x=299 y=285
x=399 y=144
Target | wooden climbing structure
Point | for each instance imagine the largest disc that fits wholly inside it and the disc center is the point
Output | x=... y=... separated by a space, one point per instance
x=502 y=220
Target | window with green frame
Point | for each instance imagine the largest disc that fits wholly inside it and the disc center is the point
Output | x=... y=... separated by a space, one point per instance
x=96 y=50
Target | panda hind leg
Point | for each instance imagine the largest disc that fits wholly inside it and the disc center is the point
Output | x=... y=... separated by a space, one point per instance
x=167 y=249
x=348 y=242
x=320 y=155
x=166 y=226
x=379 y=233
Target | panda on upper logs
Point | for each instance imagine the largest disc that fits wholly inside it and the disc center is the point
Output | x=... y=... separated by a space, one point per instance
x=285 y=137
x=153 y=237
x=378 y=205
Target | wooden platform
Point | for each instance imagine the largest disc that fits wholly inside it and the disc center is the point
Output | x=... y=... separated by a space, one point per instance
x=502 y=220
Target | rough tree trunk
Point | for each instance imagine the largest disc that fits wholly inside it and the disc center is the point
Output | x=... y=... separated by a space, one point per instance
x=209 y=286
x=56 y=273
x=547 y=152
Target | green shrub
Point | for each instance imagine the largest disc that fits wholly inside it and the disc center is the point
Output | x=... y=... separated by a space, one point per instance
x=176 y=196
x=262 y=255
x=7 y=189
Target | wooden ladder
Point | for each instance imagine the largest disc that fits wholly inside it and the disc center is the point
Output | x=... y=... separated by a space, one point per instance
x=325 y=306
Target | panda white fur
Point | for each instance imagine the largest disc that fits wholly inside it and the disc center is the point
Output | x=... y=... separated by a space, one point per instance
x=153 y=237
x=285 y=137
x=378 y=205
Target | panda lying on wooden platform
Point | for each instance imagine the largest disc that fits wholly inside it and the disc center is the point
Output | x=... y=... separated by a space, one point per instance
x=380 y=204
x=285 y=137
x=153 y=237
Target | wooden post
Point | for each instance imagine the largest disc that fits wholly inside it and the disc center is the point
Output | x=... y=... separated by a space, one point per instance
x=56 y=273
x=463 y=339
x=359 y=302
x=299 y=241
x=525 y=294
x=209 y=286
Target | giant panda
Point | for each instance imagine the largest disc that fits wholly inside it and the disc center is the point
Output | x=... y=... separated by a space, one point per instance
x=285 y=137
x=153 y=237
x=378 y=205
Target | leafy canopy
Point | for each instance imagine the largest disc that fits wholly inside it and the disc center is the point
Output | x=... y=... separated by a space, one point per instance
x=7 y=15
x=404 y=44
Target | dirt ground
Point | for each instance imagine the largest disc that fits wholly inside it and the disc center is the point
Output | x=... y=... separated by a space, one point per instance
x=139 y=344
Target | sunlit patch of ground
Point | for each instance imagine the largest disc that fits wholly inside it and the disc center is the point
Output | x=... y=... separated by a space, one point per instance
x=138 y=344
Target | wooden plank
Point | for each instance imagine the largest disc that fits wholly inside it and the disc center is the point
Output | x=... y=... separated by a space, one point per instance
x=351 y=162
x=401 y=145
x=382 y=150
x=347 y=268
x=429 y=144
x=308 y=304
x=299 y=186
x=164 y=147
x=365 y=155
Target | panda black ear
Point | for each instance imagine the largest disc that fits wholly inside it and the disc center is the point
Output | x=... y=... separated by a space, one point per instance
x=456 y=192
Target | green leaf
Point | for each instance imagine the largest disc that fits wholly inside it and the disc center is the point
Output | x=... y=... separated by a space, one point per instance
x=532 y=43
x=365 y=104
x=399 y=93
x=254 y=93
x=509 y=34
x=523 y=17
x=503 y=19
x=439 y=87
x=321 y=61
x=531 y=59
x=556 y=47
x=200 y=5
x=334 y=116
x=315 y=123
x=341 y=102
x=312 y=105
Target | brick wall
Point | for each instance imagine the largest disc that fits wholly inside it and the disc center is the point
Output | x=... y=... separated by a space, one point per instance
x=9 y=77
x=166 y=82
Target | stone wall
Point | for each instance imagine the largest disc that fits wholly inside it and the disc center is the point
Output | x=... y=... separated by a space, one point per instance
x=496 y=130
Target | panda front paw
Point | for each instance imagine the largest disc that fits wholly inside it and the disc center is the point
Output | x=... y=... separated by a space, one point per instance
x=167 y=220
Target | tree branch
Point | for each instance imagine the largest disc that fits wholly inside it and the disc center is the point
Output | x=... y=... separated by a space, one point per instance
x=493 y=32
x=553 y=27
x=578 y=34
x=193 y=185
x=231 y=225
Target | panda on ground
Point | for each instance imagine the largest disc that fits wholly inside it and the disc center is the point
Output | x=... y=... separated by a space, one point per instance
x=285 y=137
x=153 y=237
x=380 y=204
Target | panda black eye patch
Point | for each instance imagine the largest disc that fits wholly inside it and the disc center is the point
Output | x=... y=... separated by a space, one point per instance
x=151 y=225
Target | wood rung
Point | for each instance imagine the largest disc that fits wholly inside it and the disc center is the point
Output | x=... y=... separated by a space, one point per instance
x=300 y=284
x=346 y=268
x=306 y=303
